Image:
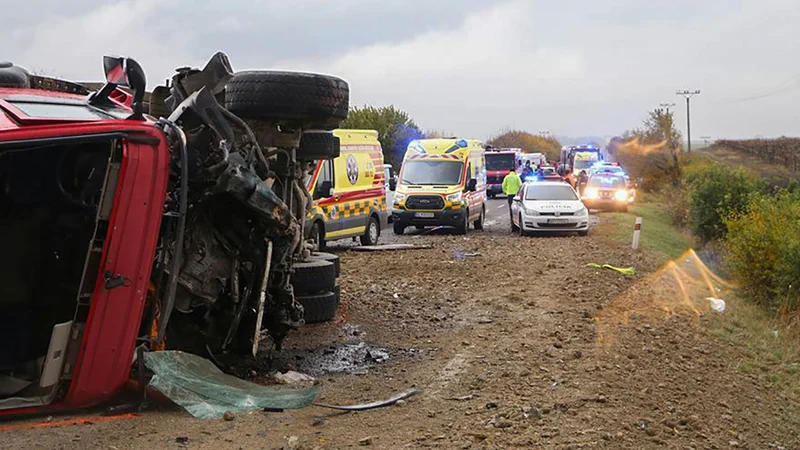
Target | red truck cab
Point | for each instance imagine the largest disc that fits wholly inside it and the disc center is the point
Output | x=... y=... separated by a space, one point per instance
x=82 y=197
x=499 y=161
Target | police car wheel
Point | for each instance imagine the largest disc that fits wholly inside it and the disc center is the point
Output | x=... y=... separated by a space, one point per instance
x=583 y=233
x=319 y=100
x=372 y=233
x=313 y=277
x=320 y=307
x=330 y=257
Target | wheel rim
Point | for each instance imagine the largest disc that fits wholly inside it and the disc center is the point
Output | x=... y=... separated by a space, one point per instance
x=373 y=231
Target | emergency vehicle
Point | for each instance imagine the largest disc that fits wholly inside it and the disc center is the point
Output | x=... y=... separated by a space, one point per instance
x=499 y=161
x=349 y=191
x=442 y=183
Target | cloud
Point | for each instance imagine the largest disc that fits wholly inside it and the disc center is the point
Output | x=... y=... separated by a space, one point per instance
x=471 y=67
x=73 y=47
x=470 y=71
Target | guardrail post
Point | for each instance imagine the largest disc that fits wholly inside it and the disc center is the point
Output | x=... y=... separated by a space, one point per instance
x=637 y=229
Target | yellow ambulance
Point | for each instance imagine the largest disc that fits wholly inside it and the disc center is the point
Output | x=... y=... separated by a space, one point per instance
x=349 y=192
x=442 y=182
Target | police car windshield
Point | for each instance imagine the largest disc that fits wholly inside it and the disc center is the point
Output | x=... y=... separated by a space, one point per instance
x=606 y=182
x=423 y=172
x=547 y=192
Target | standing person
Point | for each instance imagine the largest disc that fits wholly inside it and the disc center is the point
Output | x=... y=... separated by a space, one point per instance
x=581 y=182
x=528 y=171
x=511 y=185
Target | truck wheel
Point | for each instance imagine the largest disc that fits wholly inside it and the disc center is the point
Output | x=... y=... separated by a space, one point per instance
x=313 y=277
x=330 y=257
x=479 y=223
x=492 y=195
x=463 y=227
x=318 y=145
x=320 y=307
x=317 y=235
x=320 y=100
x=372 y=233
x=398 y=228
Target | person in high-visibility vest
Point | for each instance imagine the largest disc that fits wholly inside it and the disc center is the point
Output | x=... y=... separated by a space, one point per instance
x=511 y=185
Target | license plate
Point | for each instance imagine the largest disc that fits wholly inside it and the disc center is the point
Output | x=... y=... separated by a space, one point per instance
x=558 y=221
x=605 y=194
x=425 y=215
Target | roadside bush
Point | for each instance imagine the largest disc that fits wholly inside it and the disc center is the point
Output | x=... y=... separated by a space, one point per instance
x=764 y=251
x=716 y=192
x=654 y=165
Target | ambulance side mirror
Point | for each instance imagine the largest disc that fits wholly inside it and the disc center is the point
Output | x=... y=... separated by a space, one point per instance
x=472 y=185
x=392 y=183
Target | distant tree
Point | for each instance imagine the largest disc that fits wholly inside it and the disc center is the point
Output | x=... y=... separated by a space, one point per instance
x=653 y=152
x=528 y=142
x=394 y=126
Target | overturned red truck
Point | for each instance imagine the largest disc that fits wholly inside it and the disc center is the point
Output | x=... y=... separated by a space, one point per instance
x=174 y=223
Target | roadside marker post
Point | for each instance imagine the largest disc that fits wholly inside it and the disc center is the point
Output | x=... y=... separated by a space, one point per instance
x=637 y=228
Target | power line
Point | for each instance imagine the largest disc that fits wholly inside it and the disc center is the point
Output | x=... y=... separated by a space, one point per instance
x=688 y=95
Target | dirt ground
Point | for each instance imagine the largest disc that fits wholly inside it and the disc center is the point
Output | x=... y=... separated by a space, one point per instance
x=505 y=349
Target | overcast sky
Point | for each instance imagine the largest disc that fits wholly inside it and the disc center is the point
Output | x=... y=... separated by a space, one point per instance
x=573 y=67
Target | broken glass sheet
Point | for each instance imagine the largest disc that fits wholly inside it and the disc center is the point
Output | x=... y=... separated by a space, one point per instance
x=198 y=386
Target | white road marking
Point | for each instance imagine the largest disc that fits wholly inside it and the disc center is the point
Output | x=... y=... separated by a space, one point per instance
x=502 y=206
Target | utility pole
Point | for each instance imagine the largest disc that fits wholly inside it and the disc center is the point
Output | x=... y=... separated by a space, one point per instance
x=688 y=95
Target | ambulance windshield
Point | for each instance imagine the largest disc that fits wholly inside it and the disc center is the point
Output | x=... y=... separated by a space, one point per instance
x=422 y=172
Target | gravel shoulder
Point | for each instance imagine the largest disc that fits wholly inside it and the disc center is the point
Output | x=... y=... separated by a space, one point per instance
x=505 y=348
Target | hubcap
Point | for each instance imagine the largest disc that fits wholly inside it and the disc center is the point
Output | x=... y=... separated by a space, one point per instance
x=373 y=231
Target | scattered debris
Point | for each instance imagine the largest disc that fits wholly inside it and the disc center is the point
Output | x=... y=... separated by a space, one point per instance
x=292 y=377
x=379 y=404
x=182 y=439
x=717 y=304
x=228 y=416
x=465 y=397
x=461 y=255
x=199 y=387
x=293 y=443
x=622 y=270
x=391 y=247
x=365 y=441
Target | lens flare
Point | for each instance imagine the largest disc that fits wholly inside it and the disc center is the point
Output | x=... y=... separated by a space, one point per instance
x=679 y=288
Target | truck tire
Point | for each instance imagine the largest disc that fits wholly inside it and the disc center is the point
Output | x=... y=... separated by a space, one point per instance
x=313 y=277
x=320 y=100
x=478 y=224
x=330 y=257
x=372 y=233
x=318 y=145
x=320 y=307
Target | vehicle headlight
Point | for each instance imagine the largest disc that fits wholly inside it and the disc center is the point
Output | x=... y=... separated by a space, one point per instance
x=591 y=193
x=456 y=198
x=621 y=195
x=398 y=198
x=582 y=212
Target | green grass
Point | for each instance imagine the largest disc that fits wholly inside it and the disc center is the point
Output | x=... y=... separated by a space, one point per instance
x=658 y=234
